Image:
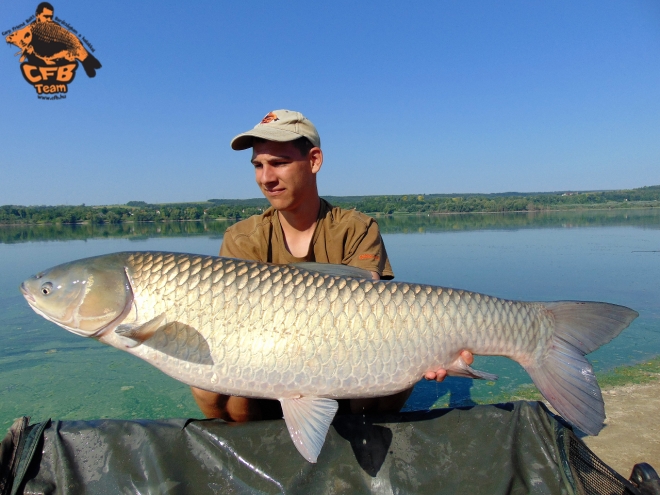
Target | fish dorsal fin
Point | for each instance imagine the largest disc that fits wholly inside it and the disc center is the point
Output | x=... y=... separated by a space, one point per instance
x=137 y=334
x=336 y=270
x=308 y=420
x=462 y=369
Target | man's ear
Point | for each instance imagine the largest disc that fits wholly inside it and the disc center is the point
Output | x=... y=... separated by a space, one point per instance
x=315 y=157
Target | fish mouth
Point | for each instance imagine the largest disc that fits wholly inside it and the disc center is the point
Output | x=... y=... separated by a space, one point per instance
x=26 y=293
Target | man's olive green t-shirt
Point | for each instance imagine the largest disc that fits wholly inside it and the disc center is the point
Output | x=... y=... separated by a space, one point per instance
x=345 y=237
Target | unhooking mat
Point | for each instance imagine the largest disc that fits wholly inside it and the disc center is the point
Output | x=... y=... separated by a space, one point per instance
x=508 y=448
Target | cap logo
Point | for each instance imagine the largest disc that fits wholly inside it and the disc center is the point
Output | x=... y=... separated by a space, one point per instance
x=271 y=117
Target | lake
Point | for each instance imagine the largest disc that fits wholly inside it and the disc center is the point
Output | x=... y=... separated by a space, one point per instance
x=612 y=256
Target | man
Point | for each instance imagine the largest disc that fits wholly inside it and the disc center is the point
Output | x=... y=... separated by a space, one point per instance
x=299 y=226
x=44 y=12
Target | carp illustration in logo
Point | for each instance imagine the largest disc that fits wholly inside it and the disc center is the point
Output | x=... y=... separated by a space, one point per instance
x=50 y=53
x=271 y=117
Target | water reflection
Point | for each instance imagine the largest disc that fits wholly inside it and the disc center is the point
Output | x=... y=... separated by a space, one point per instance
x=642 y=218
x=10 y=234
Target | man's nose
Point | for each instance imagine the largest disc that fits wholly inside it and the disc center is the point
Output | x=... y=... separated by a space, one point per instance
x=267 y=174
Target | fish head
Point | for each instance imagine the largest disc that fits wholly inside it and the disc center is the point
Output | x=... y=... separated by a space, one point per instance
x=85 y=297
x=21 y=37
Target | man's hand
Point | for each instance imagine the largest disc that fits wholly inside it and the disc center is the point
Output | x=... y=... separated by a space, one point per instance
x=441 y=374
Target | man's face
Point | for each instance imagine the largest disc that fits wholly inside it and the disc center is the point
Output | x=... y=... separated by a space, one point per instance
x=285 y=177
x=46 y=15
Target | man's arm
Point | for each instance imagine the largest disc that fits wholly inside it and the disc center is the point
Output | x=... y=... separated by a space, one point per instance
x=235 y=409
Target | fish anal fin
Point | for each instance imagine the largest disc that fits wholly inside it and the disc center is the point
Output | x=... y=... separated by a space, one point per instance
x=308 y=420
x=462 y=369
x=139 y=334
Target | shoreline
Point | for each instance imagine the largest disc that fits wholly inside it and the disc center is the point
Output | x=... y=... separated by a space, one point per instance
x=544 y=210
x=624 y=206
x=632 y=427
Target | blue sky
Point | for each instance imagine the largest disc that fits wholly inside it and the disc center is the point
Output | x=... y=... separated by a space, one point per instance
x=409 y=97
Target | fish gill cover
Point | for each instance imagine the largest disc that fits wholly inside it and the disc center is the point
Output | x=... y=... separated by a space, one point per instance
x=51 y=50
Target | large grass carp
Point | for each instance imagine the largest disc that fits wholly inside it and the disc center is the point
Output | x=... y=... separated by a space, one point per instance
x=309 y=334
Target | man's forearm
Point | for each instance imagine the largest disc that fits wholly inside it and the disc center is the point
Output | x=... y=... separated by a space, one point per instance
x=235 y=409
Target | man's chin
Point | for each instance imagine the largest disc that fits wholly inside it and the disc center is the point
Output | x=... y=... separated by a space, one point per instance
x=278 y=202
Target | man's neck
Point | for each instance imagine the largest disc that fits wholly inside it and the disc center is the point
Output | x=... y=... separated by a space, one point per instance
x=298 y=227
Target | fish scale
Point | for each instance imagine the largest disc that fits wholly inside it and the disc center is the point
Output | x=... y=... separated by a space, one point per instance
x=307 y=334
x=418 y=313
x=45 y=33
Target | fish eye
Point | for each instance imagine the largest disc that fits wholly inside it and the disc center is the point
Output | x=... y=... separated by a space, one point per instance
x=46 y=288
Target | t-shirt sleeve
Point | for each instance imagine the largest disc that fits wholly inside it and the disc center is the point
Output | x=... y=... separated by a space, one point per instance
x=366 y=249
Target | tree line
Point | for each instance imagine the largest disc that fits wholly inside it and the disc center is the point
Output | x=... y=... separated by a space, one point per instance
x=388 y=224
x=213 y=209
x=489 y=203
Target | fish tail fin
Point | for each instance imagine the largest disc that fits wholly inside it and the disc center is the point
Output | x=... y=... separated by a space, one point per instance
x=563 y=375
x=90 y=64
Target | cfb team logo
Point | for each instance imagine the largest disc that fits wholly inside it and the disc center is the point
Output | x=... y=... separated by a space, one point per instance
x=50 y=53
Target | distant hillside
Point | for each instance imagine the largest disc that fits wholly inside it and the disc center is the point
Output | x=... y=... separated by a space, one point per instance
x=500 y=202
x=140 y=211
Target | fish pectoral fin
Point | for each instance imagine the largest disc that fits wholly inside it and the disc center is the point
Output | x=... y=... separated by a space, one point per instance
x=462 y=369
x=138 y=334
x=334 y=269
x=182 y=342
x=308 y=420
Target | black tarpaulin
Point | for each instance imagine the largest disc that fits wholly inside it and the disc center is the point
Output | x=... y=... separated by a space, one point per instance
x=496 y=449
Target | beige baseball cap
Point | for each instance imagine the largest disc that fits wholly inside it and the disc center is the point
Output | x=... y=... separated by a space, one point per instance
x=279 y=125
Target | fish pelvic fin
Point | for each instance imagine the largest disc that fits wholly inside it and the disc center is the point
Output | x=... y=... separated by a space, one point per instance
x=308 y=420
x=564 y=376
x=135 y=335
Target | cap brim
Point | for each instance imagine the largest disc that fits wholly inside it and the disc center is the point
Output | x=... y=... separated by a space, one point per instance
x=244 y=141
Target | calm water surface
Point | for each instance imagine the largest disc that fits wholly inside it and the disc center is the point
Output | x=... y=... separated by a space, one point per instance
x=603 y=256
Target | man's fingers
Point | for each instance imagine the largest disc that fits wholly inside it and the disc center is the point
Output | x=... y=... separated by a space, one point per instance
x=437 y=375
x=467 y=357
x=440 y=375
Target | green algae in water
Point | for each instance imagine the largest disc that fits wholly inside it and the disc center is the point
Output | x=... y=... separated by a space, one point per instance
x=104 y=384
